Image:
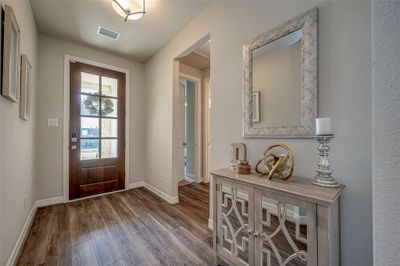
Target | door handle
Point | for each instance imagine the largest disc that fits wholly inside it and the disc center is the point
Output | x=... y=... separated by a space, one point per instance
x=73 y=147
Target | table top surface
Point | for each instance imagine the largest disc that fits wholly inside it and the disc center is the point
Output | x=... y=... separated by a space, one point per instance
x=296 y=186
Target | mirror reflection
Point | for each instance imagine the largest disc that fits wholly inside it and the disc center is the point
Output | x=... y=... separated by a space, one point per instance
x=289 y=231
x=235 y=237
x=277 y=82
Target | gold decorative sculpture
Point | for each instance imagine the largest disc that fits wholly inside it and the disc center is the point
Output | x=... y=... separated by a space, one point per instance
x=277 y=159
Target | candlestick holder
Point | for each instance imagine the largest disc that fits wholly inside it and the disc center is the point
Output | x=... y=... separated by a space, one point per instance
x=324 y=176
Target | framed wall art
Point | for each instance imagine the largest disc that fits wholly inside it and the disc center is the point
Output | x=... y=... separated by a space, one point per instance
x=256 y=107
x=26 y=88
x=11 y=56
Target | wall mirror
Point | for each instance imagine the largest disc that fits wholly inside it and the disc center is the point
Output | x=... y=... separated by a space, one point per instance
x=280 y=81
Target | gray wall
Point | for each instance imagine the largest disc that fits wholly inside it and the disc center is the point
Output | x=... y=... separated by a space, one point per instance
x=386 y=131
x=17 y=145
x=50 y=105
x=344 y=94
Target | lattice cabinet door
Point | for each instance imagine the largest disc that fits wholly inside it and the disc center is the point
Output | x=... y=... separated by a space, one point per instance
x=285 y=230
x=235 y=222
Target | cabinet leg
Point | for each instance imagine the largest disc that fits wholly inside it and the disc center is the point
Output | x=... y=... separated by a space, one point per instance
x=216 y=260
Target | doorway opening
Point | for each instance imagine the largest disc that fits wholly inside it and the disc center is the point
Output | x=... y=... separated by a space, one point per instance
x=195 y=114
x=190 y=86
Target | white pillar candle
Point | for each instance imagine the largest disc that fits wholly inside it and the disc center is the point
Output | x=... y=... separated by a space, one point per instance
x=323 y=126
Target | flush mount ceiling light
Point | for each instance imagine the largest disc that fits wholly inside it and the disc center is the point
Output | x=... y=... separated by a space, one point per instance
x=129 y=9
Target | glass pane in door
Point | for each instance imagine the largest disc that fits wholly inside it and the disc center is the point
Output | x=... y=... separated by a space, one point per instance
x=284 y=233
x=90 y=83
x=109 y=128
x=109 y=87
x=90 y=105
x=109 y=148
x=99 y=117
x=109 y=107
x=89 y=127
x=89 y=149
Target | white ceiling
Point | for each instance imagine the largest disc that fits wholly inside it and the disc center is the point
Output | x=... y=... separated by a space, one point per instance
x=204 y=50
x=195 y=60
x=78 y=20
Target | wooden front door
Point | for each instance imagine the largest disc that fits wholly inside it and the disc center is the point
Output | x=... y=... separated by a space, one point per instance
x=97 y=130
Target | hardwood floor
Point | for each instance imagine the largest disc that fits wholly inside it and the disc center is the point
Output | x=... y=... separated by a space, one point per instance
x=133 y=227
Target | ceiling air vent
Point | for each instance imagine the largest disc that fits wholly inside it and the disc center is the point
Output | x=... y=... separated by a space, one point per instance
x=108 y=33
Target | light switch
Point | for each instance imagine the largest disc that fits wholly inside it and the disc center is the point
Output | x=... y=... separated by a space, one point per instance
x=52 y=122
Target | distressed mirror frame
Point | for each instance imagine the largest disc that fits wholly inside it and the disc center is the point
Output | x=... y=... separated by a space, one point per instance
x=307 y=22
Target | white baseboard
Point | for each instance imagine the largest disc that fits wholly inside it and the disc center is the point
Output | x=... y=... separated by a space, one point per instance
x=49 y=201
x=190 y=178
x=199 y=180
x=204 y=179
x=135 y=185
x=164 y=196
x=12 y=260
x=210 y=224
x=190 y=175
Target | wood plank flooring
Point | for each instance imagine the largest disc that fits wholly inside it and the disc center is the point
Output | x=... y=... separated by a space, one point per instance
x=133 y=227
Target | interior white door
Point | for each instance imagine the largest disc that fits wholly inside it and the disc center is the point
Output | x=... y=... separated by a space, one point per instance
x=207 y=123
x=190 y=130
x=181 y=148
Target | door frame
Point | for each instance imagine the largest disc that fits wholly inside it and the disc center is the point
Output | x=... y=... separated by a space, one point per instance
x=66 y=117
x=176 y=132
x=198 y=124
x=207 y=129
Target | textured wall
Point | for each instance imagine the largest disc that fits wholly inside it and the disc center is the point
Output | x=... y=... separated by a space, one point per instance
x=386 y=131
x=344 y=94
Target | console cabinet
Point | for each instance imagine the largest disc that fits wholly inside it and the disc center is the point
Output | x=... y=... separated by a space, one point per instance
x=273 y=222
